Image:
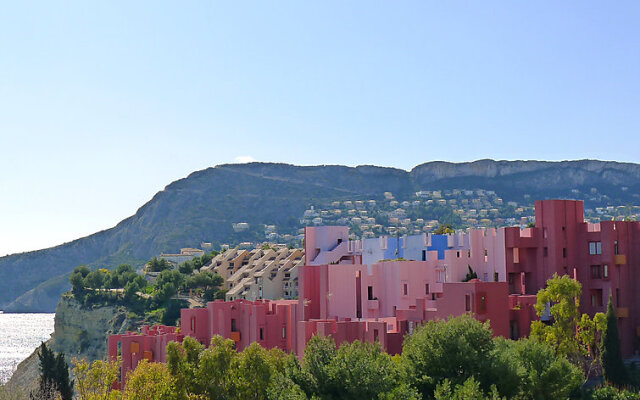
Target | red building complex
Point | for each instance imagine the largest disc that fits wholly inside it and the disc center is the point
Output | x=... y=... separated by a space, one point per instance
x=344 y=293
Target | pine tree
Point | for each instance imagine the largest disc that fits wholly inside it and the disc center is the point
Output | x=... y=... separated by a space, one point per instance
x=54 y=376
x=615 y=373
x=61 y=376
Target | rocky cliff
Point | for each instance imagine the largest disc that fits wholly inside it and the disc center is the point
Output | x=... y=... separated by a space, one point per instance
x=79 y=332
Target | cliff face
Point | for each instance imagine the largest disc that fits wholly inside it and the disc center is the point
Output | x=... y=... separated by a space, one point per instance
x=203 y=206
x=79 y=332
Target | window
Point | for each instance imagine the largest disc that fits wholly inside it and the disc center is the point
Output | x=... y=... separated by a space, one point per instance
x=284 y=331
x=564 y=252
x=468 y=253
x=483 y=304
x=405 y=289
x=596 y=272
x=233 y=325
x=605 y=271
x=595 y=248
x=515 y=335
x=375 y=335
x=545 y=252
x=496 y=276
x=485 y=277
x=596 y=298
x=486 y=255
x=426 y=288
x=616 y=251
x=261 y=333
x=545 y=233
x=370 y=292
x=442 y=275
x=458 y=254
x=424 y=255
x=467 y=302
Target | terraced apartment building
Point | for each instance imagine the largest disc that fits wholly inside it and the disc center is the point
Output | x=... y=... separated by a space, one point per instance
x=261 y=273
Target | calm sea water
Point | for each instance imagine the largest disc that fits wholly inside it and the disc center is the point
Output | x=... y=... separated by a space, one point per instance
x=20 y=334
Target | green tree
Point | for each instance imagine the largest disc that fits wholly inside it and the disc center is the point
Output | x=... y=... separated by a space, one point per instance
x=206 y=280
x=469 y=390
x=77 y=280
x=318 y=355
x=183 y=361
x=95 y=279
x=362 y=371
x=444 y=229
x=252 y=371
x=612 y=393
x=186 y=268
x=150 y=381
x=540 y=373
x=456 y=349
x=571 y=334
x=214 y=374
x=613 y=368
x=158 y=265
x=94 y=381
x=54 y=375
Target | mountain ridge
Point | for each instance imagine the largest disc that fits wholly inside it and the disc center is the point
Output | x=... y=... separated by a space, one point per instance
x=203 y=205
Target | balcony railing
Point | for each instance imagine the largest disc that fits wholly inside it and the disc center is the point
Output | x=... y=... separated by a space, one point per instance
x=621 y=259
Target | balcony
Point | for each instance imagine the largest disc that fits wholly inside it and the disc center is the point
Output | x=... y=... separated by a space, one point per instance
x=235 y=336
x=373 y=304
x=622 y=312
x=621 y=259
x=134 y=347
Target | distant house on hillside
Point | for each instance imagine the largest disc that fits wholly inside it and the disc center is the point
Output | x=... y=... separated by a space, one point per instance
x=186 y=254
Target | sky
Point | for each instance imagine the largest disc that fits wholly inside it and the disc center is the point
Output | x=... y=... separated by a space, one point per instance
x=103 y=104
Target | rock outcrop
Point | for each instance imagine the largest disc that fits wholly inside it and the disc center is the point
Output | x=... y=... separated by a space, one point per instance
x=79 y=332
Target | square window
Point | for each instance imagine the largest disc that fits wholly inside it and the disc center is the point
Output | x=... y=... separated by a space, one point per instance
x=595 y=248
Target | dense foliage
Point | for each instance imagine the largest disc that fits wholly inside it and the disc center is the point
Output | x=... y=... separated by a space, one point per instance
x=455 y=359
x=155 y=300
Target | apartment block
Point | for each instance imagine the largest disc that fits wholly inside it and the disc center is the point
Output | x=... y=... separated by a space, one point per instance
x=259 y=273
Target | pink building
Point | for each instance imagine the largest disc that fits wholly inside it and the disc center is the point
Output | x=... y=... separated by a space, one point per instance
x=603 y=257
x=382 y=301
x=149 y=344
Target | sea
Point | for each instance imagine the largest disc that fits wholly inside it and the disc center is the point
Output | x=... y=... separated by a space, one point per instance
x=20 y=335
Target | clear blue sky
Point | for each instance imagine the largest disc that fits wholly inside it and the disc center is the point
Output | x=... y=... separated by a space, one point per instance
x=104 y=103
